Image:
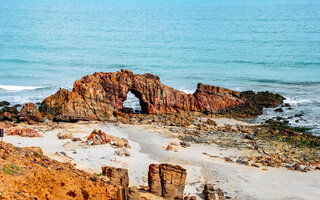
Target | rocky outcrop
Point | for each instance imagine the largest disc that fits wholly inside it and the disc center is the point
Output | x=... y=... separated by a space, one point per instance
x=167 y=180
x=52 y=105
x=118 y=176
x=254 y=103
x=30 y=113
x=23 y=132
x=100 y=95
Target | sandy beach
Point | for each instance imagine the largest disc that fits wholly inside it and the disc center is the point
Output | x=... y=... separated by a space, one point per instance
x=148 y=145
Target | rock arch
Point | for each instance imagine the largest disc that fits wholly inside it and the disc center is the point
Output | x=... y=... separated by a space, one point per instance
x=100 y=95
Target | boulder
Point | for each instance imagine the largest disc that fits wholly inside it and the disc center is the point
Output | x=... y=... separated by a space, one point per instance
x=167 y=180
x=30 y=112
x=52 y=105
x=23 y=132
x=100 y=95
x=99 y=137
x=9 y=113
x=65 y=135
x=118 y=176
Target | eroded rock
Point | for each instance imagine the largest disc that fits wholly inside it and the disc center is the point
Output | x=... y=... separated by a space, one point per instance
x=118 y=176
x=65 y=135
x=167 y=180
x=100 y=95
x=23 y=132
x=29 y=113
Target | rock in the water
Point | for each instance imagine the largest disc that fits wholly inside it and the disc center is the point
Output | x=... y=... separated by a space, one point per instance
x=118 y=176
x=167 y=180
x=279 y=110
x=4 y=103
x=254 y=103
x=100 y=95
x=23 y=132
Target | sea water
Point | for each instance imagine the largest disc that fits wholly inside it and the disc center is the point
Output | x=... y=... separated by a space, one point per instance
x=243 y=45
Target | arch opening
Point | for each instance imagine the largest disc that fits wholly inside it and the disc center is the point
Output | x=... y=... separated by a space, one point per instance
x=132 y=104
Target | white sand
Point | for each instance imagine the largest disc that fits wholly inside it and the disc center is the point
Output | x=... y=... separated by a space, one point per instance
x=148 y=147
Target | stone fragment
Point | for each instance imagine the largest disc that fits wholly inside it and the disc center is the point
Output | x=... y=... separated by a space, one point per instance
x=169 y=148
x=208 y=192
x=65 y=135
x=122 y=152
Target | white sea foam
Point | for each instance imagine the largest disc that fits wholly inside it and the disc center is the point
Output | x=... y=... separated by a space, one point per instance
x=17 y=88
x=296 y=101
x=188 y=91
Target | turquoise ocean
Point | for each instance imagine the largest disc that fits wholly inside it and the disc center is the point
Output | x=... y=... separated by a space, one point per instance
x=243 y=45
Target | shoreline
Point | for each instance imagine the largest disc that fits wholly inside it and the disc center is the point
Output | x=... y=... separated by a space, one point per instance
x=148 y=145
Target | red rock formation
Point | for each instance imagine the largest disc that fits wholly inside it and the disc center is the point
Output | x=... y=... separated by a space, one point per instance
x=99 y=137
x=118 y=176
x=30 y=112
x=167 y=180
x=23 y=132
x=98 y=96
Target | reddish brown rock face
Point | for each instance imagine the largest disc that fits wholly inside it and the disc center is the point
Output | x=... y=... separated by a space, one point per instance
x=23 y=132
x=118 y=176
x=167 y=180
x=30 y=112
x=98 y=96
